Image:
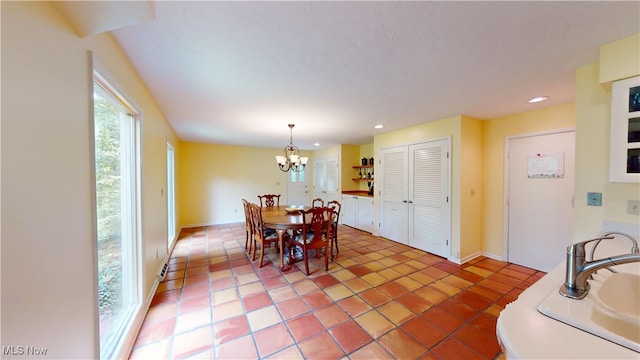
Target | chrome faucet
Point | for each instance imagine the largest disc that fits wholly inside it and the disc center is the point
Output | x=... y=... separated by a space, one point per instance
x=576 y=285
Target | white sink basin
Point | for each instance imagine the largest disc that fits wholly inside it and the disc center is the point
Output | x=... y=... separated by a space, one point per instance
x=611 y=310
x=621 y=292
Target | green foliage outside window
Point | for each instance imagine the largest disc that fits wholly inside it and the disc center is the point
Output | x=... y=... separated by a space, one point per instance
x=108 y=204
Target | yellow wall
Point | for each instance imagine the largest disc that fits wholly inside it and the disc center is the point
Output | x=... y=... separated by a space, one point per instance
x=49 y=280
x=213 y=178
x=364 y=151
x=494 y=133
x=350 y=156
x=620 y=59
x=593 y=103
x=590 y=116
x=471 y=170
x=331 y=151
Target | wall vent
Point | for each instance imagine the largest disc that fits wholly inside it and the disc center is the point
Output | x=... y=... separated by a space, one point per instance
x=163 y=272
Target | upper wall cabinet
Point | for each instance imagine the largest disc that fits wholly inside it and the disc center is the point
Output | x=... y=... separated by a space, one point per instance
x=624 y=163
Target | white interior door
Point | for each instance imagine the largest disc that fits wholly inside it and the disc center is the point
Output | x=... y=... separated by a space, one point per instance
x=332 y=180
x=297 y=188
x=540 y=179
x=429 y=210
x=394 y=193
x=318 y=178
x=326 y=179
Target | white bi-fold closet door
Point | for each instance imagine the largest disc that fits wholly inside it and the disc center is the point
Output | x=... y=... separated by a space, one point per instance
x=414 y=195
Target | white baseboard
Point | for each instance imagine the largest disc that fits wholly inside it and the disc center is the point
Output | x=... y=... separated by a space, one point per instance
x=212 y=224
x=492 y=256
x=465 y=259
x=473 y=256
x=127 y=346
x=129 y=342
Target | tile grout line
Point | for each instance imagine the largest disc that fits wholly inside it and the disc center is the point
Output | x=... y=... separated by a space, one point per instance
x=225 y=235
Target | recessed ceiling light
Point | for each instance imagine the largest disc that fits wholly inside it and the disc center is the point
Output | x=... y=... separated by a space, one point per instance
x=316 y=144
x=538 y=99
x=379 y=126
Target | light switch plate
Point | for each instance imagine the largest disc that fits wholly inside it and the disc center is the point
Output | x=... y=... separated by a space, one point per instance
x=633 y=207
x=594 y=199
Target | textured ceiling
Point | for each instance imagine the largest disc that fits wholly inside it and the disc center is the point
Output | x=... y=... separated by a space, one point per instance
x=238 y=72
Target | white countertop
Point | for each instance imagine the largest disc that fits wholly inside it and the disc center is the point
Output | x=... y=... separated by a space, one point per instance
x=525 y=333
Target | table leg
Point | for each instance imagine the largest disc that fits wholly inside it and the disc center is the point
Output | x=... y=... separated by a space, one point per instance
x=331 y=247
x=283 y=266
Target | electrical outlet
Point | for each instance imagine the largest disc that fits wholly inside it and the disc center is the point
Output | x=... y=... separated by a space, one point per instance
x=633 y=207
x=594 y=199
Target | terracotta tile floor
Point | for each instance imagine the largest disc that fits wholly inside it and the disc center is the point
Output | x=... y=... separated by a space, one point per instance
x=379 y=300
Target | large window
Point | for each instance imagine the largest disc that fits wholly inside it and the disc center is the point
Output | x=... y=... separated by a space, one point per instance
x=171 y=203
x=116 y=176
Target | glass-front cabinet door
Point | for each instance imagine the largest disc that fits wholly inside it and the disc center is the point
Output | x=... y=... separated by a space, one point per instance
x=625 y=131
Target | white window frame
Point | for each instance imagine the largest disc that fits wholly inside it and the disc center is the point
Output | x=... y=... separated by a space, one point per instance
x=113 y=347
x=171 y=195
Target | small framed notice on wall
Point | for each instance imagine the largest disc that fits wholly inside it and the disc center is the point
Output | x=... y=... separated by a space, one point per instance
x=545 y=166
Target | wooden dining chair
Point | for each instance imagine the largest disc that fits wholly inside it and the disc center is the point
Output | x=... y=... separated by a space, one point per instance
x=261 y=235
x=317 y=202
x=315 y=234
x=269 y=200
x=248 y=241
x=335 y=206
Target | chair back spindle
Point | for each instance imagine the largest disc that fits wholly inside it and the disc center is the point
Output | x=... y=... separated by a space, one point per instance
x=248 y=241
x=316 y=223
x=336 y=207
x=269 y=200
x=260 y=234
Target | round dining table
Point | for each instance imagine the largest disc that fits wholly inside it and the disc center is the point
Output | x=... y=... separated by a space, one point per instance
x=282 y=220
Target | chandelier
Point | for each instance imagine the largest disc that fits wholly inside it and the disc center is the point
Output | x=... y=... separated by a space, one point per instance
x=291 y=159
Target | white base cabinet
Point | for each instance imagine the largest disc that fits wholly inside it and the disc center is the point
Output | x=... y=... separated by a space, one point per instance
x=348 y=211
x=357 y=212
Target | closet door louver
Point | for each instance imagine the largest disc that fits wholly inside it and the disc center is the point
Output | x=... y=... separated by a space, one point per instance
x=414 y=198
x=393 y=193
x=428 y=207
